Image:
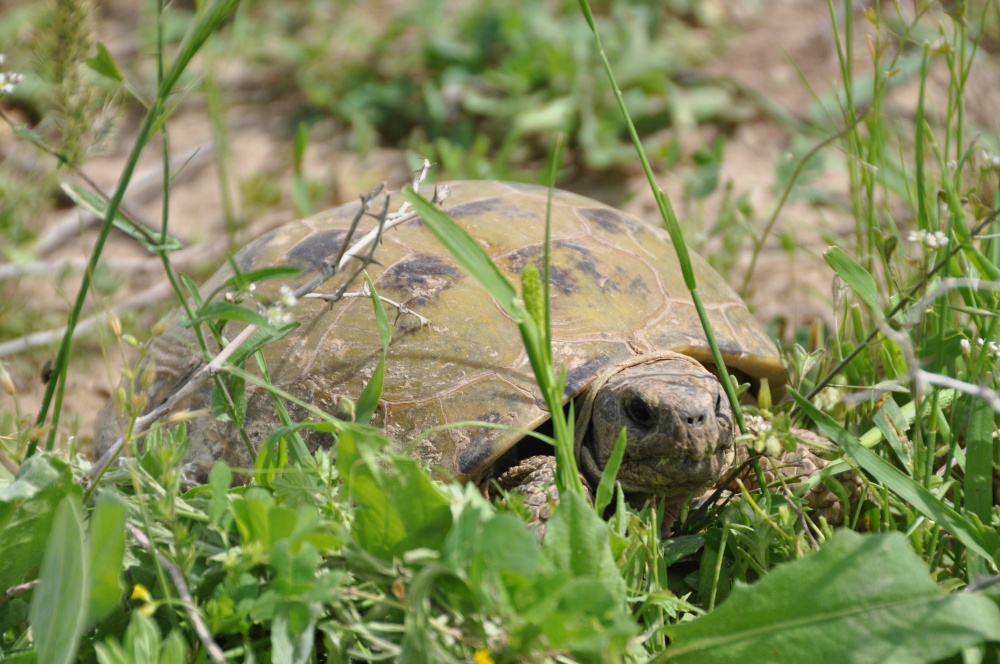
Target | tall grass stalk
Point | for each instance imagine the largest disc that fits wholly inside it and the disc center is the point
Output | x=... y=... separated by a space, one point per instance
x=672 y=224
x=156 y=116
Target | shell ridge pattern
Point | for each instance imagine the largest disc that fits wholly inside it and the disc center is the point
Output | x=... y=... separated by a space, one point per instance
x=659 y=233
x=321 y=317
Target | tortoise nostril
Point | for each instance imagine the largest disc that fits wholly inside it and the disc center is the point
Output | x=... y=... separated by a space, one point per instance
x=696 y=420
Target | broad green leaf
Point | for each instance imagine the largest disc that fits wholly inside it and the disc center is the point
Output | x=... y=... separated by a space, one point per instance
x=983 y=541
x=59 y=603
x=978 y=471
x=147 y=237
x=243 y=279
x=854 y=275
x=229 y=311
x=293 y=631
x=220 y=478
x=107 y=549
x=174 y=648
x=399 y=508
x=142 y=638
x=579 y=542
x=861 y=598
x=368 y=399
x=26 y=510
x=104 y=64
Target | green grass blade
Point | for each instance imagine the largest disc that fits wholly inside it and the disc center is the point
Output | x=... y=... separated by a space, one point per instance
x=474 y=260
x=469 y=255
x=91 y=202
x=606 y=487
x=209 y=21
x=984 y=542
x=368 y=400
x=979 y=472
x=672 y=224
x=854 y=275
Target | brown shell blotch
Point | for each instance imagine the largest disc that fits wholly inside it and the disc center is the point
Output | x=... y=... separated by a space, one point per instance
x=317 y=248
x=611 y=220
x=423 y=277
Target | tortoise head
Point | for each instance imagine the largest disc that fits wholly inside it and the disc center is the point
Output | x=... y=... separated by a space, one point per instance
x=679 y=426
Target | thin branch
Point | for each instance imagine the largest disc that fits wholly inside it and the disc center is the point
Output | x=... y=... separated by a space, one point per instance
x=401 y=308
x=15 y=591
x=35 y=339
x=190 y=606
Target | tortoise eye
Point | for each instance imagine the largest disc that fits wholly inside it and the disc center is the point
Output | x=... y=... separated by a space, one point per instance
x=639 y=412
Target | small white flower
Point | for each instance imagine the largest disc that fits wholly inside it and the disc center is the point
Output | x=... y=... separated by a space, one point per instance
x=929 y=240
x=287 y=297
x=966 y=346
x=252 y=287
x=277 y=315
x=8 y=80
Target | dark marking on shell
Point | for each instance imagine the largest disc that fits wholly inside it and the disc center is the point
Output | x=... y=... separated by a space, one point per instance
x=637 y=284
x=421 y=277
x=586 y=263
x=478 y=450
x=318 y=247
x=580 y=376
x=611 y=220
x=495 y=206
x=562 y=280
x=249 y=257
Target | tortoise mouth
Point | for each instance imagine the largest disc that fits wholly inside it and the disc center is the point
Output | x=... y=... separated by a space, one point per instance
x=673 y=476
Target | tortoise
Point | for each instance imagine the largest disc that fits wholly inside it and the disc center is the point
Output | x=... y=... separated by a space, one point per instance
x=619 y=310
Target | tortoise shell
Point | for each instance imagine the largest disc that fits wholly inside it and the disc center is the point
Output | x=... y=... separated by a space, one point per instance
x=616 y=291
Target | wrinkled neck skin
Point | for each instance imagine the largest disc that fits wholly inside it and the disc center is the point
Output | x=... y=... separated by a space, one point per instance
x=679 y=426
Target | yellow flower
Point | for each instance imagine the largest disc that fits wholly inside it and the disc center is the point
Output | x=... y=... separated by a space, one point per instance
x=139 y=592
x=482 y=656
